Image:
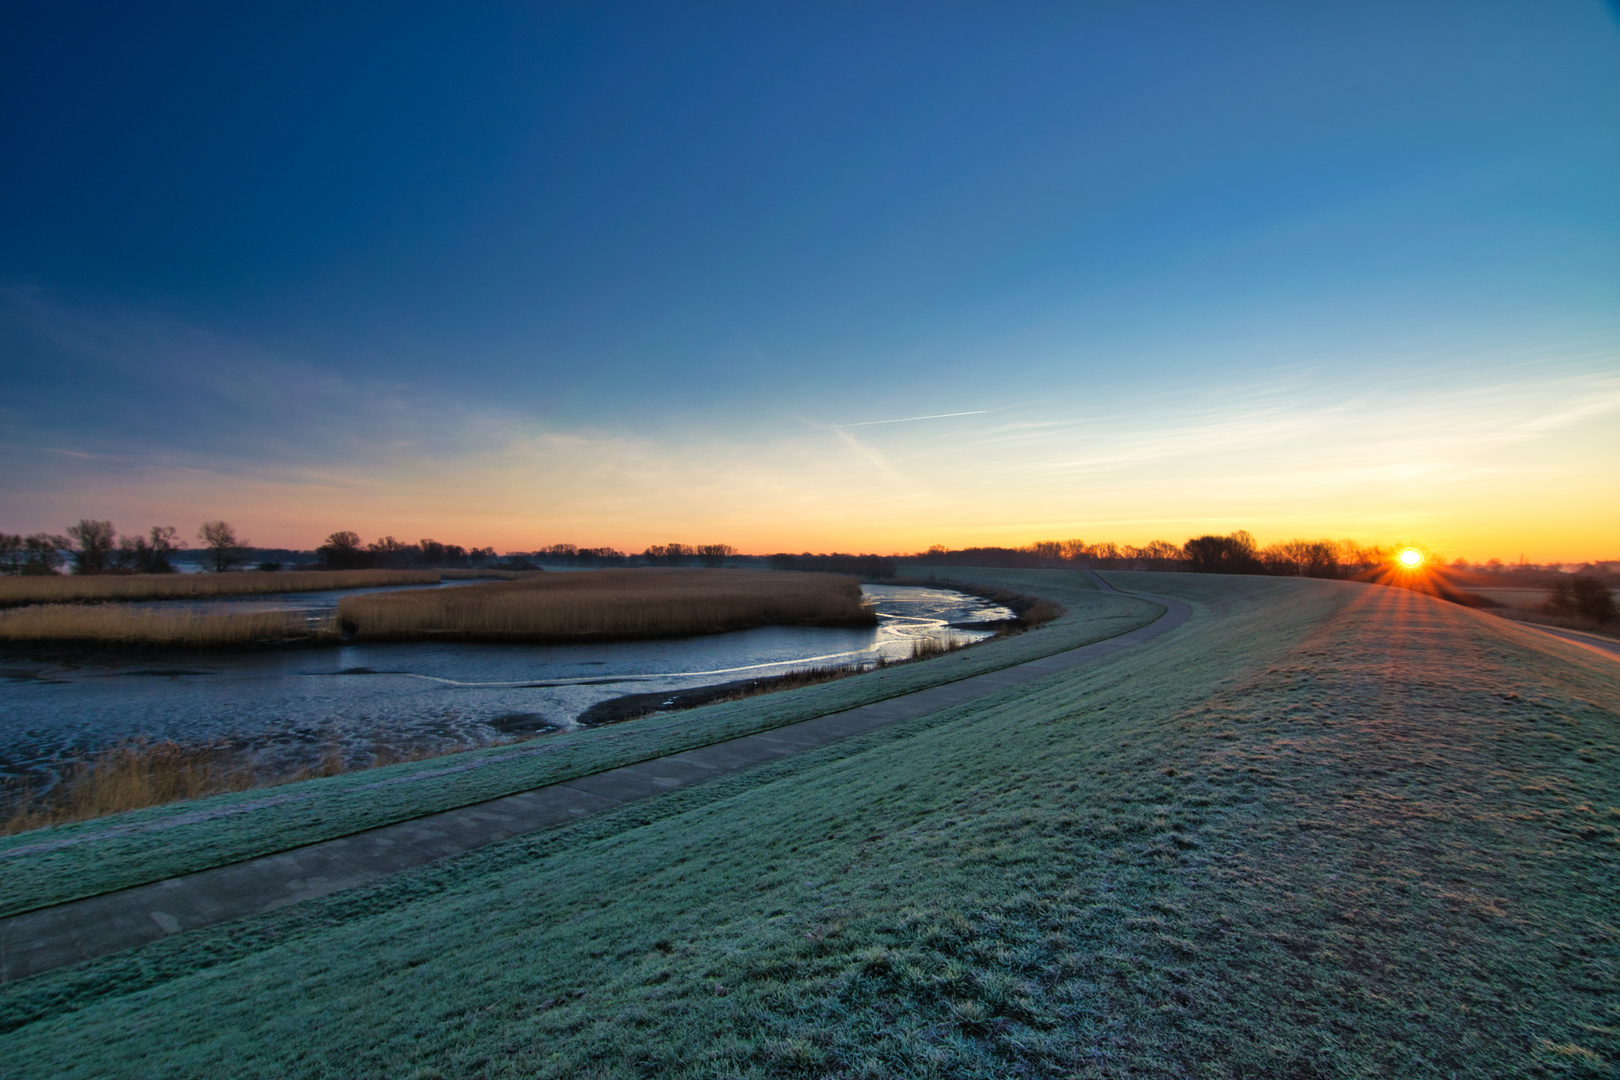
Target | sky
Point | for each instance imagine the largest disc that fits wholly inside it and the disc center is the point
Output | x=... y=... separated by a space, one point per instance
x=815 y=276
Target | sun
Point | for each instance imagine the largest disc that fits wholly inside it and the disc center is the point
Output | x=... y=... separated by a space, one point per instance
x=1411 y=558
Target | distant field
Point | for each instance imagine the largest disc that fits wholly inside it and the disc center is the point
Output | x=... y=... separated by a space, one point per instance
x=67 y=589
x=1323 y=830
x=608 y=605
x=1525 y=598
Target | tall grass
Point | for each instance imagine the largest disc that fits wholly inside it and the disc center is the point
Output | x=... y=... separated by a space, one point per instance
x=142 y=774
x=471 y=574
x=60 y=590
x=115 y=624
x=929 y=647
x=610 y=604
x=130 y=778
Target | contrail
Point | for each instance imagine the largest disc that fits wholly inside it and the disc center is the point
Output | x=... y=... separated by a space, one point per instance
x=903 y=419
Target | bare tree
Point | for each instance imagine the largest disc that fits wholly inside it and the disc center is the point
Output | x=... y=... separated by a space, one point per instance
x=224 y=549
x=43 y=553
x=1232 y=554
x=11 y=553
x=164 y=540
x=342 y=551
x=1302 y=558
x=93 y=543
x=1583 y=598
x=714 y=556
x=391 y=552
x=149 y=554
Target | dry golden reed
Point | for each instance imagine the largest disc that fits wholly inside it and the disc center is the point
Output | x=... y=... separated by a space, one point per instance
x=116 y=624
x=133 y=777
x=55 y=589
x=466 y=574
x=609 y=604
x=142 y=774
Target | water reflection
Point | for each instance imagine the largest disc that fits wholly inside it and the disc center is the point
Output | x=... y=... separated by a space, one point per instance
x=361 y=698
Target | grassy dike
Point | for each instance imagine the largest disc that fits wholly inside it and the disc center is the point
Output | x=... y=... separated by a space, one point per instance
x=64 y=862
x=1324 y=830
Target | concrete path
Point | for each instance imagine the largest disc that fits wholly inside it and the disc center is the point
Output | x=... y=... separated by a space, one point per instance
x=39 y=941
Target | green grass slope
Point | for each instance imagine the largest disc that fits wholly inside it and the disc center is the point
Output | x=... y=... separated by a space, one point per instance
x=1323 y=830
x=52 y=865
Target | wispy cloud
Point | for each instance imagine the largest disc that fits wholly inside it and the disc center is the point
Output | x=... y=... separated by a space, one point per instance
x=184 y=426
x=897 y=420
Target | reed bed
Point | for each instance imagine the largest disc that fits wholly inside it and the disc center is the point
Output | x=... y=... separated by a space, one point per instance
x=133 y=777
x=610 y=604
x=53 y=589
x=140 y=774
x=927 y=648
x=464 y=574
x=115 y=624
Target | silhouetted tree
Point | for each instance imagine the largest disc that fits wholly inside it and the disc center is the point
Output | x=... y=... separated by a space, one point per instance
x=1593 y=599
x=714 y=555
x=224 y=549
x=1047 y=549
x=1232 y=554
x=391 y=552
x=11 y=553
x=92 y=545
x=1160 y=555
x=342 y=551
x=43 y=553
x=667 y=554
x=148 y=554
x=1303 y=558
x=1582 y=598
x=433 y=553
x=600 y=556
x=866 y=566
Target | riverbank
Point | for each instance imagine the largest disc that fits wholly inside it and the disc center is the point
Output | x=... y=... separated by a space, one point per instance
x=609 y=605
x=64 y=861
x=1322 y=830
x=591 y=606
x=1028 y=613
x=105 y=625
x=112 y=588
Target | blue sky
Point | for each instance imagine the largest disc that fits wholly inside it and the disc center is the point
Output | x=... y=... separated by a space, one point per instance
x=617 y=274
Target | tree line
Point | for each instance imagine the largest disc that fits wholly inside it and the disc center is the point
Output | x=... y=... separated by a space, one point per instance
x=671 y=554
x=865 y=566
x=94 y=547
x=1582 y=598
x=1234 y=553
x=344 y=550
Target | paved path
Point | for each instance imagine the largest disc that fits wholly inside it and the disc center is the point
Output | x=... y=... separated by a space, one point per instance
x=39 y=941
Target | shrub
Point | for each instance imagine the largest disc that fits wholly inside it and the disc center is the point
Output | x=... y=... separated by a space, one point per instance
x=1582 y=598
x=1232 y=554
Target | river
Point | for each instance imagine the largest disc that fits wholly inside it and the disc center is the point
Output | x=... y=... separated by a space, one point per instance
x=288 y=708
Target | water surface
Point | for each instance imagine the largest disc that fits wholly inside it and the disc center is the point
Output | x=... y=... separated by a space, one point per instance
x=290 y=707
